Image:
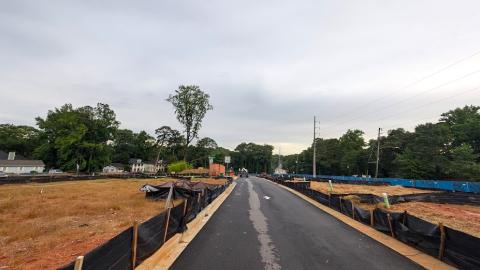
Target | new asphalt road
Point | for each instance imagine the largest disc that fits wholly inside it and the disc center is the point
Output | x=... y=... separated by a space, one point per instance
x=263 y=226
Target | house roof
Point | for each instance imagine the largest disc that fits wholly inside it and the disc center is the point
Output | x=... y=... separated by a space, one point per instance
x=4 y=155
x=16 y=163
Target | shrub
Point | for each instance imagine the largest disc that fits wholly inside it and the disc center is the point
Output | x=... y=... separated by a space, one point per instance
x=178 y=166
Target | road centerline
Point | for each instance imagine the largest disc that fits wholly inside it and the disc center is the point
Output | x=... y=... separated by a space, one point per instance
x=259 y=221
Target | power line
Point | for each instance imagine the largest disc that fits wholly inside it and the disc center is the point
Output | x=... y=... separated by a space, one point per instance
x=410 y=97
x=414 y=82
x=423 y=106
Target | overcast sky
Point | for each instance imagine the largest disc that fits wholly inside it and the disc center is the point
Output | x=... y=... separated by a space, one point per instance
x=269 y=66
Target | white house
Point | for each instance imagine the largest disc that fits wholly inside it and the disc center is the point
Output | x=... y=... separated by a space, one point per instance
x=145 y=168
x=21 y=166
x=112 y=169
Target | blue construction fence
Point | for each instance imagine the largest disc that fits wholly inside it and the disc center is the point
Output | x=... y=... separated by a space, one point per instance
x=462 y=186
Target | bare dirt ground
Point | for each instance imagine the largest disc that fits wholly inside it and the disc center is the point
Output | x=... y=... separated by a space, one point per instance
x=43 y=226
x=365 y=189
x=210 y=181
x=465 y=218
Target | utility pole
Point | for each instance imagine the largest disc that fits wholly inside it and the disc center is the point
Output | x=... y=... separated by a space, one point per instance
x=378 y=153
x=296 y=165
x=314 y=147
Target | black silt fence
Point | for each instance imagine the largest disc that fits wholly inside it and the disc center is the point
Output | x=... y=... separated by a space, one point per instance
x=362 y=215
x=116 y=254
x=176 y=222
x=419 y=233
x=193 y=208
x=320 y=197
x=150 y=237
x=460 y=249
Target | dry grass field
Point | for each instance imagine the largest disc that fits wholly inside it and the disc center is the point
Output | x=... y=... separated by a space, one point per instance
x=43 y=226
x=365 y=189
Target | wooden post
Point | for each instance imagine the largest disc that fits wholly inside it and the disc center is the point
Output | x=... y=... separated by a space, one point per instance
x=404 y=220
x=78 y=263
x=389 y=218
x=185 y=207
x=340 y=204
x=134 y=243
x=353 y=210
x=441 y=251
x=166 y=225
x=329 y=200
x=372 y=219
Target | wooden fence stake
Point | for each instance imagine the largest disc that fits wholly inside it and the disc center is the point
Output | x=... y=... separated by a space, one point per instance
x=389 y=218
x=404 y=217
x=329 y=200
x=166 y=225
x=185 y=207
x=78 y=263
x=441 y=251
x=134 y=244
x=372 y=219
x=353 y=211
x=341 y=204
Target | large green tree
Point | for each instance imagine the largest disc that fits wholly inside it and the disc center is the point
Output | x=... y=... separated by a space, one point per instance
x=21 y=139
x=77 y=136
x=464 y=124
x=128 y=144
x=254 y=157
x=191 y=105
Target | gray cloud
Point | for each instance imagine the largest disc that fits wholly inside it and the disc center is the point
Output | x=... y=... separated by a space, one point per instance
x=269 y=66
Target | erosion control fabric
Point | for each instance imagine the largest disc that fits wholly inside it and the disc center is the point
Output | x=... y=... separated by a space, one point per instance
x=116 y=254
x=460 y=249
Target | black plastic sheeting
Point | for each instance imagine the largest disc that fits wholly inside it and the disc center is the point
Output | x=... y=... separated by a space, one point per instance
x=461 y=250
x=441 y=197
x=177 y=222
x=362 y=215
x=113 y=255
x=419 y=233
x=150 y=237
x=434 y=197
x=116 y=254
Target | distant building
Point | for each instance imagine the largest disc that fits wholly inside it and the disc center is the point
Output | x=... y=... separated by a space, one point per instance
x=216 y=170
x=138 y=166
x=114 y=168
x=8 y=164
x=280 y=171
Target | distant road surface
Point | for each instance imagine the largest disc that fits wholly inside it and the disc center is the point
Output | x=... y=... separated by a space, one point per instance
x=263 y=226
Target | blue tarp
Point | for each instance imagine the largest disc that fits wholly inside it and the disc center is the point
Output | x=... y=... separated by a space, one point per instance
x=427 y=184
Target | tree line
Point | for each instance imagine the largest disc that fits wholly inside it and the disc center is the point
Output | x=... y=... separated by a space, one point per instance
x=90 y=137
x=448 y=149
